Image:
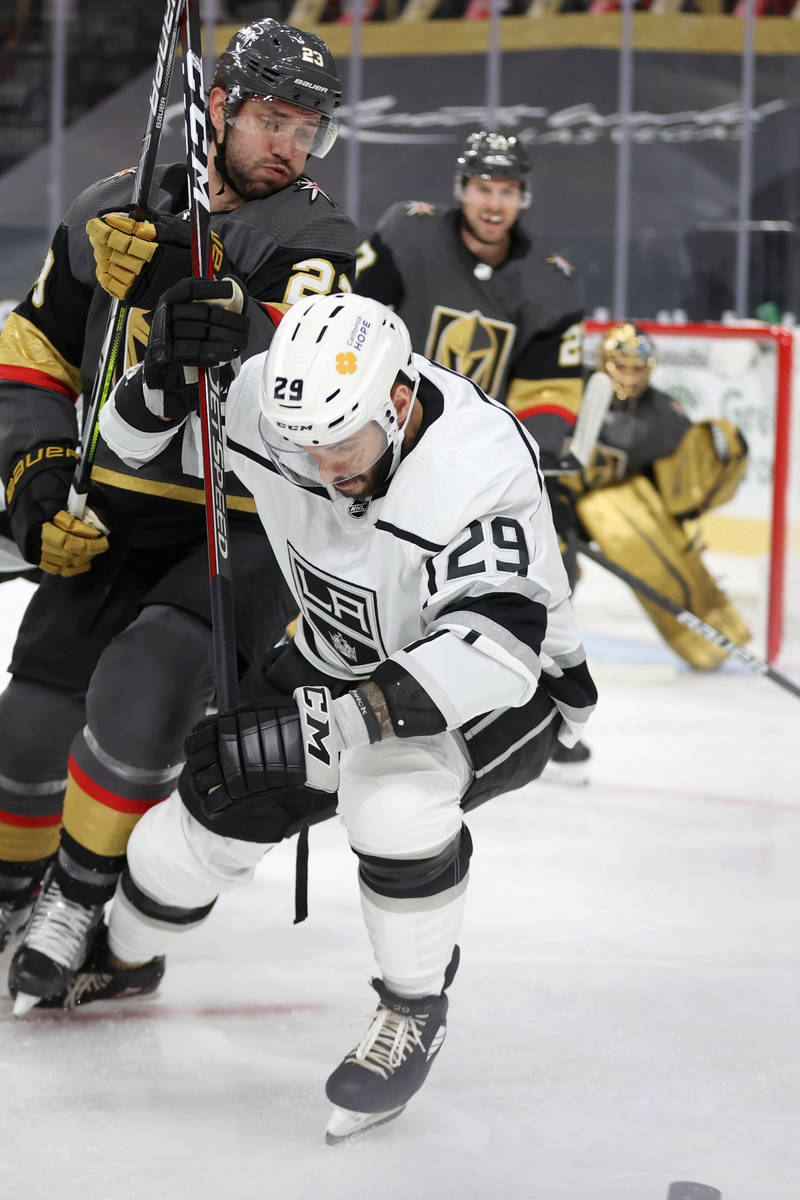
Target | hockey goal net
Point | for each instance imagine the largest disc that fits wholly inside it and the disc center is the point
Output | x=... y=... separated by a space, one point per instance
x=749 y=374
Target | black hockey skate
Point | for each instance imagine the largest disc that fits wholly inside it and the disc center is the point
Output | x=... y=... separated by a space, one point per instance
x=54 y=946
x=14 y=916
x=568 y=765
x=97 y=979
x=388 y=1066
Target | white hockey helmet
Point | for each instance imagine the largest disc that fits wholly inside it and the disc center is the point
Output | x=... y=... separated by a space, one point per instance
x=327 y=413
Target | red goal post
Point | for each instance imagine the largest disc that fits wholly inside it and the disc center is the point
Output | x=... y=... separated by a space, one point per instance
x=745 y=372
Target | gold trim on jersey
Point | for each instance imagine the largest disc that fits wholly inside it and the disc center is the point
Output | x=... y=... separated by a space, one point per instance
x=470 y=343
x=167 y=491
x=23 y=345
x=527 y=394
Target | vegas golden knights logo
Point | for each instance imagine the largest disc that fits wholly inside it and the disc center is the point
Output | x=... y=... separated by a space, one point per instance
x=137 y=334
x=473 y=345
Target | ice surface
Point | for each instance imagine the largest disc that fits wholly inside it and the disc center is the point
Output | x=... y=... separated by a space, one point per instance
x=626 y=1012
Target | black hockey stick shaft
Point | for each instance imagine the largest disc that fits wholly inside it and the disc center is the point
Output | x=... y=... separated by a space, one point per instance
x=213 y=435
x=688 y=619
x=118 y=310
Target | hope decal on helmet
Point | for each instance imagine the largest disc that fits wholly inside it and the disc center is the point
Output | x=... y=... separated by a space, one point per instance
x=327 y=414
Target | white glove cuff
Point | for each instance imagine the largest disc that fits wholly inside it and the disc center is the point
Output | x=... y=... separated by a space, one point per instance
x=321 y=741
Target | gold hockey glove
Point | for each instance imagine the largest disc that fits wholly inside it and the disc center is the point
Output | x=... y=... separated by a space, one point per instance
x=69 y=543
x=137 y=260
x=36 y=497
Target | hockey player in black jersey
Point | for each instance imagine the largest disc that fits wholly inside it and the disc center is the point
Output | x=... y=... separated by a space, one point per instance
x=436 y=663
x=112 y=664
x=481 y=296
x=477 y=293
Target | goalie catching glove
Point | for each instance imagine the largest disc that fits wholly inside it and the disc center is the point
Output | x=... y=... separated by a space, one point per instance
x=138 y=260
x=198 y=322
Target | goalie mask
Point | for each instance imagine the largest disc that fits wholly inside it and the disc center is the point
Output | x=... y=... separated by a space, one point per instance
x=327 y=414
x=493 y=156
x=627 y=355
x=267 y=60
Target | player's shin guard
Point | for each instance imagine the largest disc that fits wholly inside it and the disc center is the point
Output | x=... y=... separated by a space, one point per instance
x=413 y=909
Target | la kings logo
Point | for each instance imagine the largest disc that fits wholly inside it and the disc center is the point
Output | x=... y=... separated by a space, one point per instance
x=470 y=343
x=343 y=613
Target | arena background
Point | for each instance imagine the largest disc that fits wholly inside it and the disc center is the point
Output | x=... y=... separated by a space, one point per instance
x=423 y=86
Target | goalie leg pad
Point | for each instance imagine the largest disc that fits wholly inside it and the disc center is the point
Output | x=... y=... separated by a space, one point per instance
x=632 y=528
x=704 y=470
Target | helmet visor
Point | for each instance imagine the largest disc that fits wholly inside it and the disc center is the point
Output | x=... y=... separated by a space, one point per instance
x=333 y=465
x=270 y=117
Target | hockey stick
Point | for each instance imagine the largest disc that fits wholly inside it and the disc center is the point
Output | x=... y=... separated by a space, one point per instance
x=597 y=397
x=686 y=1190
x=687 y=618
x=118 y=311
x=213 y=437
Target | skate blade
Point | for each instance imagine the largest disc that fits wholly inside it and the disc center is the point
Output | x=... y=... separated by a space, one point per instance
x=23 y=1003
x=565 y=774
x=344 y=1123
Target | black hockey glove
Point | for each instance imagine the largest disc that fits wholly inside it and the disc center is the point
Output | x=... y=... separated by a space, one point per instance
x=198 y=322
x=45 y=532
x=233 y=756
x=136 y=261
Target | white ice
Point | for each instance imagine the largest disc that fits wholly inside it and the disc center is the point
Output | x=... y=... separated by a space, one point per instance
x=626 y=1012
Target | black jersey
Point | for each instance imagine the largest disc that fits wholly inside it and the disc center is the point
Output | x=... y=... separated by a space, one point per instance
x=515 y=329
x=293 y=243
x=633 y=435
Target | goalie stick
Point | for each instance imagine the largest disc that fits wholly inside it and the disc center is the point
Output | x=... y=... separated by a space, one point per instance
x=118 y=311
x=597 y=397
x=211 y=420
x=686 y=1190
x=688 y=619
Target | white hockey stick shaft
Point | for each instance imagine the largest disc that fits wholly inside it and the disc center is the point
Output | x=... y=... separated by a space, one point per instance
x=597 y=397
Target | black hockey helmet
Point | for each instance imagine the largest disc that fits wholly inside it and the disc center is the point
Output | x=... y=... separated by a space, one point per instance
x=270 y=60
x=493 y=156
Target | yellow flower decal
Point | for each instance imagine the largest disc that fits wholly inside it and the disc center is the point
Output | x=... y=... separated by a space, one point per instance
x=346 y=364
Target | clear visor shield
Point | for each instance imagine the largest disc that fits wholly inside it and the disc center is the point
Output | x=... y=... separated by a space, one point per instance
x=325 y=466
x=268 y=117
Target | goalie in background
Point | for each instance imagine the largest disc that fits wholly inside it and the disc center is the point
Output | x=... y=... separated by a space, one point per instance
x=651 y=473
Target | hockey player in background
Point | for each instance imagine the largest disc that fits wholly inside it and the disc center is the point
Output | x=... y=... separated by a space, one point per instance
x=112 y=665
x=436 y=662
x=651 y=473
x=477 y=293
x=481 y=296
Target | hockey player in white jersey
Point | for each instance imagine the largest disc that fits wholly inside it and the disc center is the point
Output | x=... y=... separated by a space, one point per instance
x=436 y=663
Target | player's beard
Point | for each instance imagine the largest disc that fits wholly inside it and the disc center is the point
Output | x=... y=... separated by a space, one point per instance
x=239 y=169
x=370 y=481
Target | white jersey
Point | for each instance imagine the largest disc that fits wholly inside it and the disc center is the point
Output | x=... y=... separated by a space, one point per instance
x=453 y=571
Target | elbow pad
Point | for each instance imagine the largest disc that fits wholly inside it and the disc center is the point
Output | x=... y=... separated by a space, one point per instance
x=411 y=710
